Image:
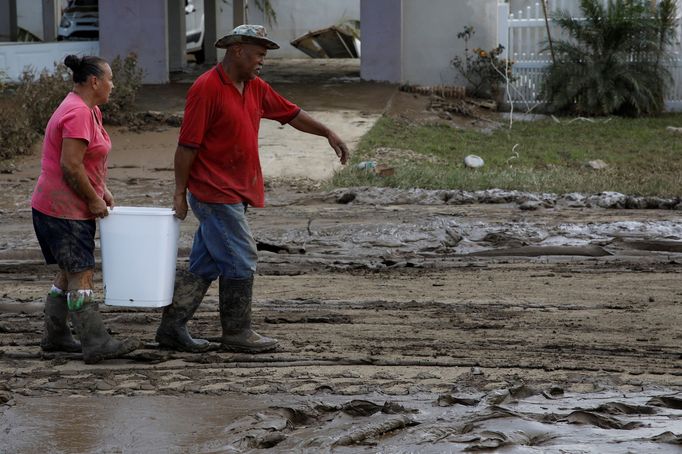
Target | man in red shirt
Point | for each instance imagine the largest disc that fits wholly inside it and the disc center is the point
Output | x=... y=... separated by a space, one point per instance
x=217 y=160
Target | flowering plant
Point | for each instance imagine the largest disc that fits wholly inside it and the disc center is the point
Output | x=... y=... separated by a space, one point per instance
x=484 y=70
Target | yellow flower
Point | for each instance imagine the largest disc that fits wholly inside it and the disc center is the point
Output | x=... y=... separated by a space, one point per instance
x=483 y=54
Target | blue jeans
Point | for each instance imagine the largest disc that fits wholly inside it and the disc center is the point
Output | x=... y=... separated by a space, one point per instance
x=223 y=243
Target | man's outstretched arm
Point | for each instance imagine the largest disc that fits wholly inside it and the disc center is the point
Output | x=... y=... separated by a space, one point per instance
x=306 y=123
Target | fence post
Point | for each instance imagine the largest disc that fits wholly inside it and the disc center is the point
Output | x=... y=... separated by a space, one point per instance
x=503 y=27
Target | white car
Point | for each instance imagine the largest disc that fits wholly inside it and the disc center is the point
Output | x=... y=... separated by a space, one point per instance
x=80 y=20
x=194 y=28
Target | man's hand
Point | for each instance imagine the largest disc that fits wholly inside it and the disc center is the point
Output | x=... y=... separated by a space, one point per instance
x=339 y=147
x=306 y=123
x=180 y=206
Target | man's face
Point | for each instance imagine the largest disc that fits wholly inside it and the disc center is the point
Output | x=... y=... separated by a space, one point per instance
x=251 y=57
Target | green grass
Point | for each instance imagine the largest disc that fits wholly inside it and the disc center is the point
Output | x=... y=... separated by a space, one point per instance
x=643 y=157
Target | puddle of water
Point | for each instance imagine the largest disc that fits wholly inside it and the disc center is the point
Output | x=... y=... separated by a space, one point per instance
x=606 y=422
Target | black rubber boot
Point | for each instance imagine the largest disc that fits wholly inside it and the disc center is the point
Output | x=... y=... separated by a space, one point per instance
x=189 y=291
x=235 y=318
x=57 y=335
x=96 y=341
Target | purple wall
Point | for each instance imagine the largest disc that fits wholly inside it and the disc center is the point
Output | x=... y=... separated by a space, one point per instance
x=136 y=26
x=381 y=28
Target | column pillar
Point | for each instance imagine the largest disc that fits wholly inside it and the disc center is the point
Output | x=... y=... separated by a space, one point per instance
x=210 y=30
x=4 y=20
x=177 y=39
x=238 y=12
x=49 y=20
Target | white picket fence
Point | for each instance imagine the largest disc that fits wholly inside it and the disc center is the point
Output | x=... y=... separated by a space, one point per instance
x=522 y=31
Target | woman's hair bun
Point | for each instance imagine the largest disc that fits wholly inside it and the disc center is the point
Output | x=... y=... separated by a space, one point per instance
x=84 y=67
x=73 y=62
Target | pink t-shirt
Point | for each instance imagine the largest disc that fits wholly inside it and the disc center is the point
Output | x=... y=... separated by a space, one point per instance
x=73 y=119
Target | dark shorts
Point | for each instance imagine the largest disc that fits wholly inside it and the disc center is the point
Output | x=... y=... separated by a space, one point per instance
x=68 y=243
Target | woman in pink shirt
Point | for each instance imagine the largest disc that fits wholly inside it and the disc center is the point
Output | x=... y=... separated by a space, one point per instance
x=70 y=194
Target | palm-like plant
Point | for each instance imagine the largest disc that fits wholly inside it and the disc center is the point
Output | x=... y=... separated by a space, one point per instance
x=613 y=61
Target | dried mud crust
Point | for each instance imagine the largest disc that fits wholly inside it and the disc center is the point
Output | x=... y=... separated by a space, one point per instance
x=387 y=298
x=389 y=331
x=579 y=323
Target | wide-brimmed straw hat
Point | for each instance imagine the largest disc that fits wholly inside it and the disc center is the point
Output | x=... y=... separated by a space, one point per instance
x=249 y=34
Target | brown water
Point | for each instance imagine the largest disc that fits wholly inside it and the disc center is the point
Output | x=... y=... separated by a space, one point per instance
x=502 y=420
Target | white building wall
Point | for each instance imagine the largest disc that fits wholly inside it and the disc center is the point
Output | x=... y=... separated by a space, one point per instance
x=414 y=41
x=430 y=37
x=297 y=17
x=17 y=57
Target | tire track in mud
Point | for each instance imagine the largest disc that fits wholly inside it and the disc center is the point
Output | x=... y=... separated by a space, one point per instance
x=361 y=315
x=398 y=340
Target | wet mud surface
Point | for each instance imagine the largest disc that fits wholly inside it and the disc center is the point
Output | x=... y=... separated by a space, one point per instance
x=393 y=310
x=499 y=421
x=409 y=321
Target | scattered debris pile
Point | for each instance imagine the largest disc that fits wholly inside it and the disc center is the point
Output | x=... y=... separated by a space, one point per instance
x=444 y=91
x=337 y=41
x=468 y=107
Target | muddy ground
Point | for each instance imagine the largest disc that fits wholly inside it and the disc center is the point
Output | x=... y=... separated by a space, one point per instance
x=409 y=321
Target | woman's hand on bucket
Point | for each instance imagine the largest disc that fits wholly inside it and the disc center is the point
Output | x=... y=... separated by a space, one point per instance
x=180 y=205
x=98 y=207
x=108 y=198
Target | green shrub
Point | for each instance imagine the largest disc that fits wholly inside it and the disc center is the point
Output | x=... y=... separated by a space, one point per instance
x=614 y=60
x=16 y=135
x=3 y=81
x=41 y=95
x=127 y=81
x=24 y=113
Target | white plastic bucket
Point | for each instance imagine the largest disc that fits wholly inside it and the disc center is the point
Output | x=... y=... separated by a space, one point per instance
x=139 y=248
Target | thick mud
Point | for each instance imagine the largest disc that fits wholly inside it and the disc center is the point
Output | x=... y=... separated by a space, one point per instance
x=515 y=419
x=558 y=350
x=409 y=321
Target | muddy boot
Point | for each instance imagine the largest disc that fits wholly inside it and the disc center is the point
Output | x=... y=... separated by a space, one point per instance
x=235 y=318
x=57 y=335
x=188 y=293
x=96 y=341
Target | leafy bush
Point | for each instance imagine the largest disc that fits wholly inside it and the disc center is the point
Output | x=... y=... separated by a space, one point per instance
x=484 y=70
x=614 y=59
x=3 y=81
x=127 y=81
x=41 y=95
x=16 y=135
x=24 y=113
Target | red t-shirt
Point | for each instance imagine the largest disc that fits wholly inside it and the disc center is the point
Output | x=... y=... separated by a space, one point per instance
x=73 y=119
x=223 y=125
